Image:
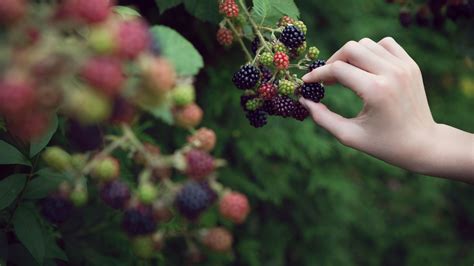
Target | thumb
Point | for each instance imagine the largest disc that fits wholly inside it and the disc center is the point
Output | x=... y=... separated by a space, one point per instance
x=345 y=130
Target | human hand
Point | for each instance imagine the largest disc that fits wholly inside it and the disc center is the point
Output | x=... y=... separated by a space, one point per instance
x=395 y=124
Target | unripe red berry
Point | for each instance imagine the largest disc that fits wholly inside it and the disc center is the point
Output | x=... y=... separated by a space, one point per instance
x=12 y=11
x=281 y=60
x=133 y=38
x=217 y=239
x=16 y=96
x=267 y=91
x=234 y=206
x=229 y=8
x=224 y=37
x=204 y=139
x=188 y=116
x=158 y=73
x=199 y=164
x=104 y=74
x=92 y=11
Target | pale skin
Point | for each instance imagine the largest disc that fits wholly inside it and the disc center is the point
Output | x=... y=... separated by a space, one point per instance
x=395 y=123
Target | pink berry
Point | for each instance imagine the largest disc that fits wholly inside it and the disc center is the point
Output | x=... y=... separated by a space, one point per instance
x=105 y=74
x=133 y=38
x=16 y=97
x=234 y=206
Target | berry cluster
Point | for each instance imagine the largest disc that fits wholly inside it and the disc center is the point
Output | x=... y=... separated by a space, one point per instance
x=110 y=74
x=270 y=88
x=434 y=13
x=101 y=70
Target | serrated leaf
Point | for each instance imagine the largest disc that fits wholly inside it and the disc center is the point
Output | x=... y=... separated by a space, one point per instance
x=10 y=155
x=126 y=12
x=10 y=187
x=205 y=10
x=39 y=144
x=28 y=231
x=164 y=5
x=46 y=181
x=268 y=12
x=162 y=112
x=178 y=50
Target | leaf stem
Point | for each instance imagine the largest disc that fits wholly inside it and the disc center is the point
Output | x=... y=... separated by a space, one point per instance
x=254 y=26
x=241 y=42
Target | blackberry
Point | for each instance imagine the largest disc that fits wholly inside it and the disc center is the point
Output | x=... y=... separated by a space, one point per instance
x=300 y=112
x=193 y=199
x=199 y=164
x=268 y=107
x=247 y=77
x=210 y=192
x=266 y=74
x=56 y=209
x=257 y=118
x=115 y=194
x=139 y=221
x=316 y=64
x=292 y=37
x=84 y=138
x=405 y=18
x=255 y=45
x=283 y=105
x=422 y=16
x=312 y=91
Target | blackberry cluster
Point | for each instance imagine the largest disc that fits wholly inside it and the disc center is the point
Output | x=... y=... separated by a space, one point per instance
x=193 y=199
x=115 y=194
x=316 y=64
x=56 y=209
x=283 y=105
x=292 y=37
x=434 y=13
x=247 y=77
x=312 y=91
x=139 y=221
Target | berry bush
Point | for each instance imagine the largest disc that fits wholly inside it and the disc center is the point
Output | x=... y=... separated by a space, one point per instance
x=81 y=81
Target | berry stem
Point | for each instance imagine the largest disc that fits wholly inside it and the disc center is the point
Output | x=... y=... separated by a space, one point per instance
x=241 y=42
x=254 y=26
x=105 y=152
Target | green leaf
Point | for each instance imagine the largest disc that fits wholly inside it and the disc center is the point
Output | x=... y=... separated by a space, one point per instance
x=28 y=231
x=10 y=155
x=46 y=181
x=10 y=187
x=3 y=247
x=205 y=10
x=39 y=144
x=178 y=50
x=167 y=4
x=52 y=250
x=125 y=11
x=162 y=112
x=268 y=12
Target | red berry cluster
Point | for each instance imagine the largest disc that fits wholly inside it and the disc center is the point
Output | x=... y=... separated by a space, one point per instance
x=434 y=13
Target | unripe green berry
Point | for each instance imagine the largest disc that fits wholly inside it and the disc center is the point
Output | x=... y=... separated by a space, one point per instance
x=300 y=24
x=266 y=59
x=78 y=161
x=183 y=95
x=102 y=40
x=79 y=196
x=143 y=247
x=313 y=52
x=286 y=87
x=147 y=192
x=106 y=169
x=300 y=50
x=88 y=106
x=279 y=47
x=57 y=158
x=254 y=104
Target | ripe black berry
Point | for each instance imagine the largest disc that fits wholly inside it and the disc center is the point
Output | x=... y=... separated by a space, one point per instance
x=316 y=64
x=268 y=107
x=312 y=91
x=115 y=194
x=405 y=18
x=247 y=77
x=283 y=105
x=255 y=45
x=56 y=209
x=292 y=37
x=300 y=112
x=84 y=138
x=266 y=74
x=422 y=16
x=193 y=199
x=139 y=221
x=257 y=118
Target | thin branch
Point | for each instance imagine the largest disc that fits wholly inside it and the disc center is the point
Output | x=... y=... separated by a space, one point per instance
x=241 y=42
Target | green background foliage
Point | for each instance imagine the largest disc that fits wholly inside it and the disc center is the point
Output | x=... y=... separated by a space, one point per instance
x=314 y=201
